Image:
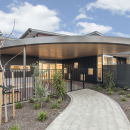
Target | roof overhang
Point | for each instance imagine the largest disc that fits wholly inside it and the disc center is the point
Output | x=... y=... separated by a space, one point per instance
x=66 y=47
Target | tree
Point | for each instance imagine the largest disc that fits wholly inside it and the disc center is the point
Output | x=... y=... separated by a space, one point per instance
x=41 y=89
x=59 y=84
x=3 y=69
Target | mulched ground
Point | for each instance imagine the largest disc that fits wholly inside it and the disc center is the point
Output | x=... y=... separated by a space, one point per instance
x=117 y=97
x=26 y=117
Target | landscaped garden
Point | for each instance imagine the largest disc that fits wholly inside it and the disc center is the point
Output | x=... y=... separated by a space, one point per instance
x=42 y=108
x=120 y=95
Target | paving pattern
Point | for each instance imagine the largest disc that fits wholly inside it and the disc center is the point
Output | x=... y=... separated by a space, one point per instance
x=90 y=110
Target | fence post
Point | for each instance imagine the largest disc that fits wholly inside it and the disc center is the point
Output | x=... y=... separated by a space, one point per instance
x=13 y=95
x=71 y=81
x=83 y=78
x=1 y=98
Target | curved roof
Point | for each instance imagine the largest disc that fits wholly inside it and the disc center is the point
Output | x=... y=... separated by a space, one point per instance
x=68 y=46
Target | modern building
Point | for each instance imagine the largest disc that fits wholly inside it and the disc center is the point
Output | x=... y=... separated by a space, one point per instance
x=82 y=55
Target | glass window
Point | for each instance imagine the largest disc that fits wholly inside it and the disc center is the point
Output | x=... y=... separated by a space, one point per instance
x=40 y=65
x=114 y=61
x=105 y=60
x=52 y=70
x=19 y=67
x=27 y=67
x=109 y=60
x=90 y=71
x=99 y=68
x=65 y=70
x=15 y=67
x=81 y=77
x=127 y=61
x=76 y=65
x=69 y=76
x=58 y=66
x=45 y=70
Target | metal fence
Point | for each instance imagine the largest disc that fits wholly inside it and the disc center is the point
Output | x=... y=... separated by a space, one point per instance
x=121 y=74
x=75 y=79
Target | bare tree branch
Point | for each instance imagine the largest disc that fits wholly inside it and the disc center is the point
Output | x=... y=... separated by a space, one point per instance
x=9 y=35
x=12 y=58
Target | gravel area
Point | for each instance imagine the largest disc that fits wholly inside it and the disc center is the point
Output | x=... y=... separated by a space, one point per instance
x=117 y=97
x=26 y=117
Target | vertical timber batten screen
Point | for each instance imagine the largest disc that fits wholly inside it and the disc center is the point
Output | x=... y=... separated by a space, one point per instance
x=121 y=74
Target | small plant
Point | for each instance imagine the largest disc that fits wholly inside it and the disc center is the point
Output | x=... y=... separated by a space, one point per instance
x=108 y=89
x=36 y=106
x=123 y=98
x=99 y=88
x=110 y=92
x=15 y=127
x=42 y=116
x=126 y=88
x=60 y=100
x=18 y=105
x=122 y=92
x=54 y=105
x=31 y=100
x=93 y=87
x=115 y=89
x=128 y=95
x=48 y=99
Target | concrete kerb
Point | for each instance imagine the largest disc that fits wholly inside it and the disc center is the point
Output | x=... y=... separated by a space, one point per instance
x=62 y=111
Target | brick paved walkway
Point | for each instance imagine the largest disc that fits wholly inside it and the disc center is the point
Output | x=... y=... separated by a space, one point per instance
x=90 y=110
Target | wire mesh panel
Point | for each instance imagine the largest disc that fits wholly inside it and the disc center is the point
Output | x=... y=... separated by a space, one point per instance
x=121 y=74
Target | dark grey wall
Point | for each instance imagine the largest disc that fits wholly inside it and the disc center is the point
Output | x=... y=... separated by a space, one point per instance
x=84 y=62
x=17 y=60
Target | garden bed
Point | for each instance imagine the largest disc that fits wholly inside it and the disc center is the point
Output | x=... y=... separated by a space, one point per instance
x=125 y=105
x=26 y=117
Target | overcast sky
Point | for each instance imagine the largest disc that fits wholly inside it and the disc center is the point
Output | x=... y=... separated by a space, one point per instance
x=72 y=17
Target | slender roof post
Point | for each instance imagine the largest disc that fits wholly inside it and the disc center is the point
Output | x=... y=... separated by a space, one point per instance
x=24 y=72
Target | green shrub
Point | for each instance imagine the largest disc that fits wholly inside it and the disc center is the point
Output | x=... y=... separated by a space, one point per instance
x=31 y=100
x=110 y=92
x=99 y=88
x=18 y=105
x=54 y=105
x=115 y=89
x=48 y=99
x=15 y=127
x=123 y=98
x=36 y=106
x=42 y=116
x=122 y=92
x=108 y=89
x=110 y=80
x=126 y=88
x=41 y=87
x=128 y=95
x=60 y=100
x=93 y=87
x=59 y=84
